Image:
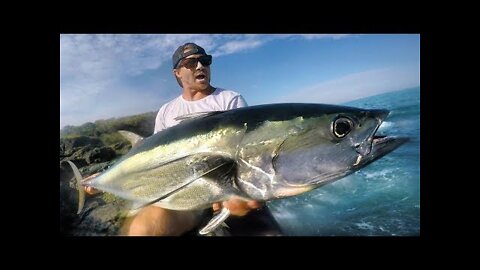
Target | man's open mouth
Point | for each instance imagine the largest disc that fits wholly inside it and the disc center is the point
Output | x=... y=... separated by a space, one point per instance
x=200 y=77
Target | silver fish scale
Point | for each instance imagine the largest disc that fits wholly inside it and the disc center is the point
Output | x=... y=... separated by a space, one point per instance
x=214 y=186
x=152 y=184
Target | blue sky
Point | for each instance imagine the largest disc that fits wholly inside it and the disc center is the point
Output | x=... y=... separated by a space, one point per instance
x=105 y=76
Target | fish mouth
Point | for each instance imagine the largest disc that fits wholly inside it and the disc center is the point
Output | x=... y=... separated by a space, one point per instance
x=382 y=145
x=377 y=146
x=365 y=148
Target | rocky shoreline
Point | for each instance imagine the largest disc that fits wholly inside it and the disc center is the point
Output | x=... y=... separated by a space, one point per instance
x=103 y=213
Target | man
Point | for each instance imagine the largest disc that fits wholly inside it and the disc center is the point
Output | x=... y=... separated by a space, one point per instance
x=191 y=68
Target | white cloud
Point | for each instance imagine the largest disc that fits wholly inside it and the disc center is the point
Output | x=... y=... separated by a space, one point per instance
x=319 y=36
x=117 y=103
x=93 y=66
x=240 y=43
x=334 y=36
x=357 y=85
x=97 y=57
x=100 y=56
x=235 y=46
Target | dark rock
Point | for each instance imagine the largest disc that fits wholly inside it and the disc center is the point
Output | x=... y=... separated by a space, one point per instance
x=68 y=200
x=68 y=146
x=122 y=148
x=96 y=167
x=101 y=215
x=88 y=155
x=101 y=219
x=100 y=154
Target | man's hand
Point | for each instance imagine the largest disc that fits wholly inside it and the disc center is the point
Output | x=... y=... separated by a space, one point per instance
x=237 y=206
x=90 y=190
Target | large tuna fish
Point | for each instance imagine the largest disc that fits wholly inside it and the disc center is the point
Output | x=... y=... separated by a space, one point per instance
x=261 y=152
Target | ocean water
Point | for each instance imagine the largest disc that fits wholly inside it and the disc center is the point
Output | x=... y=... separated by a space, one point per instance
x=382 y=199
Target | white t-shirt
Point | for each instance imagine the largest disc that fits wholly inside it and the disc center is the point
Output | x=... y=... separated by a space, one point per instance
x=219 y=100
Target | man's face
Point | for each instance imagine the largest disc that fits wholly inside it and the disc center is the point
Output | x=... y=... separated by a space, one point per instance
x=194 y=71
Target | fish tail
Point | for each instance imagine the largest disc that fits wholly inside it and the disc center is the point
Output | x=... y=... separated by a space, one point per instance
x=81 y=191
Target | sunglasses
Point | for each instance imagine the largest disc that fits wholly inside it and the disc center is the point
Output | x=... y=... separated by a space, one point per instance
x=190 y=63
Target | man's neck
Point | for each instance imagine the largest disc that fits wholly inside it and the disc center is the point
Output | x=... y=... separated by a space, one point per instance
x=192 y=95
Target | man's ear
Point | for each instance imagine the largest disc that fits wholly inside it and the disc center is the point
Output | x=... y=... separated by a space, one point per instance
x=176 y=74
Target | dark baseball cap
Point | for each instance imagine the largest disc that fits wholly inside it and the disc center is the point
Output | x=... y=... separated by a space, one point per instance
x=186 y=50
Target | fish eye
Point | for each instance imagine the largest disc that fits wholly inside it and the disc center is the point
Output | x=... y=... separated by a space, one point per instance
x=342 y=126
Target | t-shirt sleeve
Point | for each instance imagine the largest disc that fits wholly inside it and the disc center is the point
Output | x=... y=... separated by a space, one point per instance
x=159 y=120
x=237 y=102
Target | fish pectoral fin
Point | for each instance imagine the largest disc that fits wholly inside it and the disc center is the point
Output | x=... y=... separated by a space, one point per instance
x=225 y=225
x=216 y=221
x=196 y=115
x=193 y=166
x=133 y=138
